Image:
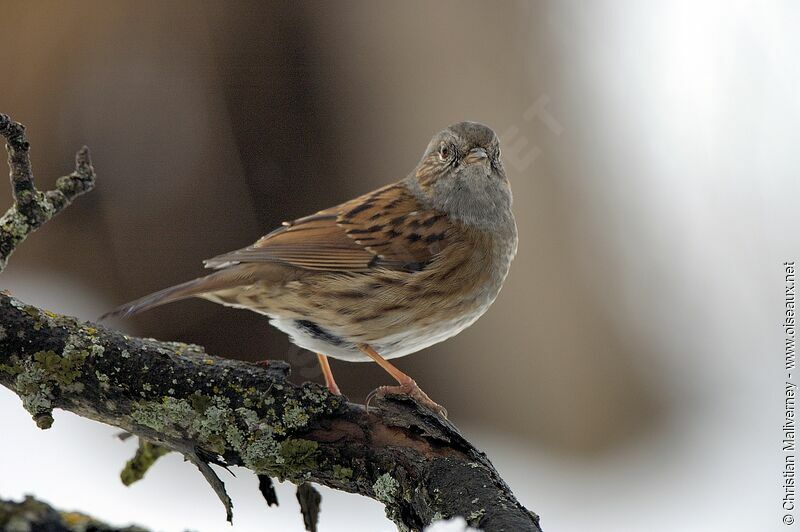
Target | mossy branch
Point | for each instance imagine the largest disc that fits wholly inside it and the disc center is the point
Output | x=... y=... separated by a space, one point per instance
x=31 y=514
x=220 y=411
x=32 y=208
x=146 y=455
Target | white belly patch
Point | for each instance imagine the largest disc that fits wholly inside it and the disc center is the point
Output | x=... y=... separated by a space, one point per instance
x=308 y=335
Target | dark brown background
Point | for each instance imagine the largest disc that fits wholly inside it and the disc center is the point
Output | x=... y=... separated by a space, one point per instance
x=208 y=137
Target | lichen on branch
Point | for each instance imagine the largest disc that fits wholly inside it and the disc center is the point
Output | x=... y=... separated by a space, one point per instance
x=146 y=455
x=32 y=208
x=31 y=515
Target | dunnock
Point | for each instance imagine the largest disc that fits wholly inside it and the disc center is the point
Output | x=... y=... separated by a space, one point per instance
x=385 y=274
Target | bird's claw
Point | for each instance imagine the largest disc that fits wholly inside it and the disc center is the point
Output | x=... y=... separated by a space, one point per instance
x=412 y=390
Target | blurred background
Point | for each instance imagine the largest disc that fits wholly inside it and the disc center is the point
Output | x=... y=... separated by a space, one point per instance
x=630 y=375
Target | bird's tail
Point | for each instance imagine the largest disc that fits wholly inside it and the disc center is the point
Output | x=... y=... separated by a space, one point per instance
x=216 y=281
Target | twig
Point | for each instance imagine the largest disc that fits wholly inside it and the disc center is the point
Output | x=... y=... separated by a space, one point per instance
x=146 y=455
x=309 y=500
x=228 y=412
x=267 y=489
x=33 y=208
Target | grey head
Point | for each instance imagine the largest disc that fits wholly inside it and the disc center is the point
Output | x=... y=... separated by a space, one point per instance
x=461 y=174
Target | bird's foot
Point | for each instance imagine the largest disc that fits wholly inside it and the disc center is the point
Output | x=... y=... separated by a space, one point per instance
x=412 y=390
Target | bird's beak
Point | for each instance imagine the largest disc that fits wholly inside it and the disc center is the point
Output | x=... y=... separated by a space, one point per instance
x=476 y=155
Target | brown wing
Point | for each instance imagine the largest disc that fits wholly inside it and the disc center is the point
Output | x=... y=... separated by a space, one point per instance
x=387 y=228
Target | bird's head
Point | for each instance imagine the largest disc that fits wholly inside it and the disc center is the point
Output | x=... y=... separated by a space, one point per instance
x=461 y=174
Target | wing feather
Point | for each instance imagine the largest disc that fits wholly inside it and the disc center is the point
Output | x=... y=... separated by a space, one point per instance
x=387 y=228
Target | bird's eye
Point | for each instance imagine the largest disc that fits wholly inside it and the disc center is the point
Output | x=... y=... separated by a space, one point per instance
x=445 y=151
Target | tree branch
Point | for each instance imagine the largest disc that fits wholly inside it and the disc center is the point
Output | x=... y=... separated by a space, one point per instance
x=33 y=515
x=33 y=208
x=228 y=412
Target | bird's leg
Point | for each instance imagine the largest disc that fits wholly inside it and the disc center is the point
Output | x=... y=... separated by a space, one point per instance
x=326 y=371
x=407 y=385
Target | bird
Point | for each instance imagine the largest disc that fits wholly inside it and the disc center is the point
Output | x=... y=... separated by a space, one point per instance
x=383 y=275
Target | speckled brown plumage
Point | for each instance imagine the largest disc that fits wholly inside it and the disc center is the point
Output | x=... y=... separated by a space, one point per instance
x=385 y=274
